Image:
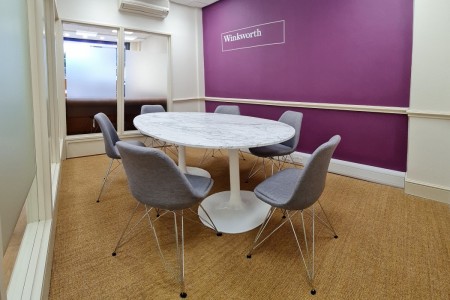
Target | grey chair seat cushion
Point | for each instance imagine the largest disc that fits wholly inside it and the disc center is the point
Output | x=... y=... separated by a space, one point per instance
x=278 y=189
x=271 y=150
x=132 y=142
x=200 y=185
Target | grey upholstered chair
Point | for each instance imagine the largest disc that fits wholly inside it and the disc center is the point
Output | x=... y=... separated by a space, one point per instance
x=156 y=108
x=222 y=109
x=152 y=108
x=110 y=139
x=156 y=182
x=280 y=151
x=294 y=190
x=227 y=109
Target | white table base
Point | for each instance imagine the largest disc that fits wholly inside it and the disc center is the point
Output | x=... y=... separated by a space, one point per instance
x=229 y=218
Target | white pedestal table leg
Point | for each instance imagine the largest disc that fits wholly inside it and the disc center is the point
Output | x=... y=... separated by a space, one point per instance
x=234 y=211
x=189 y=170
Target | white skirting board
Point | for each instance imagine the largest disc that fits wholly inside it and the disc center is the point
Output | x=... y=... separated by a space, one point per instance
x=360 y=171
x=30 y=278
x=27 y=279
x=426 y=190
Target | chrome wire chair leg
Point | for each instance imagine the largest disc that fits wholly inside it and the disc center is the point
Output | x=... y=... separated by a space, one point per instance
x=170 y=149
x=309 y=261
x=209 y=221
x=327 y=223
x=151 y=143
x=241 y=155
x=155 y=235
x=205 y=156
x=253 y=173
x=180 y=253
x=123 y=235
x=207 y=152
x=108 y=171
x=250 y=174
x=214 y=152
x=293 y=161
x=179 y=241
x=273 y=164
x=260 y=231
x=256 y=244
x=281 y=161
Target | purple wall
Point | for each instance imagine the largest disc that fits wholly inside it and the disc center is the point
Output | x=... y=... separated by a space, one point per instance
x=348 y=52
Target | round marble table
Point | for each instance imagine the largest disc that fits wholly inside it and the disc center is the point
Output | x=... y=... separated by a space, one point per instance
x=232 y=211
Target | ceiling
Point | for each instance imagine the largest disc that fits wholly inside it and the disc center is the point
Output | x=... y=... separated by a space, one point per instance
x=92 y=32
x=195 y=3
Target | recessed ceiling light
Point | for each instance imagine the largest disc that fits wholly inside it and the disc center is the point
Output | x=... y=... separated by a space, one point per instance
x=114 y=31
x=86 y=34
x=129 y=32
x=130 y=38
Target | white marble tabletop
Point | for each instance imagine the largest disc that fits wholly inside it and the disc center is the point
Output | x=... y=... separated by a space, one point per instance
x=212 y=130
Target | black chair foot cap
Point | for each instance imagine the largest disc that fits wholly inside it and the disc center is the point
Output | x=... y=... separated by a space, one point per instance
x=183 y=295
x=98 y=201
x=219 y=234
x=249 y=256
x=284 y=217
x=114 y=254
x=157 y=215
x=313 y=292
x=335 y=236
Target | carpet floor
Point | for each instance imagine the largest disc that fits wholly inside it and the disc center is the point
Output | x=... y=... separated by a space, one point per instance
x=391 y=245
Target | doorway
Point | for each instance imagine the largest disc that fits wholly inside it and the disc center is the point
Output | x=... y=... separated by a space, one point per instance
x=102 y=77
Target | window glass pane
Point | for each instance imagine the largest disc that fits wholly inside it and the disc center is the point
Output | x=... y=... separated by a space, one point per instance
x=91 y=75
x=90 y=70
x=146 y=64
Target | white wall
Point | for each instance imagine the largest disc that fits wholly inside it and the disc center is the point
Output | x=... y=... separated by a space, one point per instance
x=18 y=157
x=428 y=168
x=181 y=23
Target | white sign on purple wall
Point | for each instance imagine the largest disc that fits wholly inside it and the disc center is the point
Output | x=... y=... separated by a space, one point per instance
x=266 y=34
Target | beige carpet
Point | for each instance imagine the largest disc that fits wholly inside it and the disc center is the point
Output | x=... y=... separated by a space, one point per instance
x=390 y=246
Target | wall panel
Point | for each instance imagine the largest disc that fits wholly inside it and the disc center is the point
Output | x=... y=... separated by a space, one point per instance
x=334 y=52
x=17 y=159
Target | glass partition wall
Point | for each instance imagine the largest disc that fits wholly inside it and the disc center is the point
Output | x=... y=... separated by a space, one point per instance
x=145 y=76
x=93 y=67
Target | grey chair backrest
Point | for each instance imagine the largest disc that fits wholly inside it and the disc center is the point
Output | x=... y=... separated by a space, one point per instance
x=312 y=181
x=154 y=179
x=294 y=119
x=152 y=108
x=110 y=136
x=227 y=109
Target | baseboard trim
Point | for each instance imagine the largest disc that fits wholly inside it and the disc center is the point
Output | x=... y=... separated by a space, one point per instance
x=358 y=171
x=426 y=190
x=368 y=173
x=28 y=277
x=92 y=144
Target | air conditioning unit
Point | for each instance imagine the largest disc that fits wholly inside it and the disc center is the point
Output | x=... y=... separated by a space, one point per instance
x=153 y=8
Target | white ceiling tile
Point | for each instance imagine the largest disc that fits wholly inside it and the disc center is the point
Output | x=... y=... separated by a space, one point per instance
x=195 y=3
